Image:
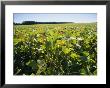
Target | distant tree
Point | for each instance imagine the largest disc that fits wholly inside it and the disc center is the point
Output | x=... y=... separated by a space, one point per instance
x=17 y=23
x=14 y=23
x=28 y=22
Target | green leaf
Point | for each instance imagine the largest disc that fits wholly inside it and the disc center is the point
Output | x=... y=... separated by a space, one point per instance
x=74 y=55
x=82 y=72
x=40 y=62
x=85 y=53
x=32 y=64
x=42 y=66
x=66 y=50
x=95 y=72
x=74 y=41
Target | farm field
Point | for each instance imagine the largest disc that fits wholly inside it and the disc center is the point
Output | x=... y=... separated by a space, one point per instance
x=55 y=49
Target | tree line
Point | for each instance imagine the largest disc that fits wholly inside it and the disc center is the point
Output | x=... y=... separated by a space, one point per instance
x=34 y=22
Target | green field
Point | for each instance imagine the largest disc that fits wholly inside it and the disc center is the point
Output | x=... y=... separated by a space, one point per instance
x=55 y=49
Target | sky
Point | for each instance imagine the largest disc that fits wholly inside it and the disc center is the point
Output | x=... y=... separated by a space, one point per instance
x=56 y=17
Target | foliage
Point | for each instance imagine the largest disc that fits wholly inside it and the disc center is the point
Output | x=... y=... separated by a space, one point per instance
x=55 y=49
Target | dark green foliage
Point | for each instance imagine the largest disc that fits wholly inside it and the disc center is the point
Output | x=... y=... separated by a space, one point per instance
x=53 y=50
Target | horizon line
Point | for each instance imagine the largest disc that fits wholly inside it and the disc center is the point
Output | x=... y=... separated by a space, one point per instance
x=54 y=21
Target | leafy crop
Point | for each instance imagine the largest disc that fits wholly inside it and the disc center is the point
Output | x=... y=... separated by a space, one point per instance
x=55 y=49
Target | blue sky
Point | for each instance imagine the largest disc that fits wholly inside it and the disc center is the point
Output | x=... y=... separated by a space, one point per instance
x=55 y=17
